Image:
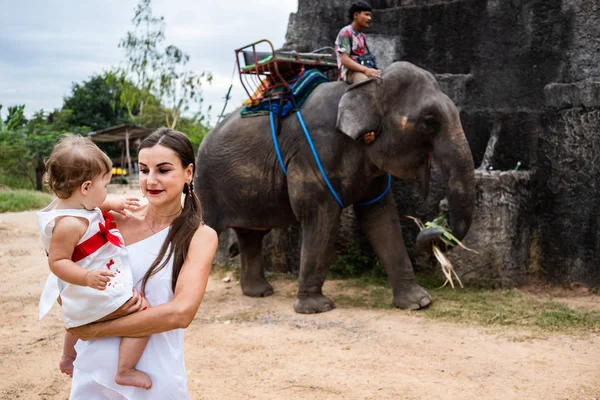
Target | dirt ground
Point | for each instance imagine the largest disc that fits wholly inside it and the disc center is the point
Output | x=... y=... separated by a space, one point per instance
x=243 y=348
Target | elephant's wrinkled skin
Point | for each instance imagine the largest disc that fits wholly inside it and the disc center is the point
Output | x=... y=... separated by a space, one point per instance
x=242 y=185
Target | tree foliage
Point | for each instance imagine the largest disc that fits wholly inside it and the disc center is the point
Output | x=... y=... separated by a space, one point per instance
x=97 y=103
x=12 y=145
x=14 y=118
x=24 y=147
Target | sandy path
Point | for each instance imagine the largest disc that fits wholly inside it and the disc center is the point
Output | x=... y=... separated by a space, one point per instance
x=243 y=348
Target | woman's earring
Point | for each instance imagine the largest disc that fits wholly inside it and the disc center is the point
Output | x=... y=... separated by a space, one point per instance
x=191 y=185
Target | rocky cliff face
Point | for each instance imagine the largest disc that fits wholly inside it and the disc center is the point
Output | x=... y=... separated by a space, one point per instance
x=526 y=77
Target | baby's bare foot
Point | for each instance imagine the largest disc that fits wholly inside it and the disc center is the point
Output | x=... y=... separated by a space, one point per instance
x=133 y=377
x=66 y=365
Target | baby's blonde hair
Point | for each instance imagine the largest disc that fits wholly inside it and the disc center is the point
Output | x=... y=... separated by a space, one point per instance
x=74 y=160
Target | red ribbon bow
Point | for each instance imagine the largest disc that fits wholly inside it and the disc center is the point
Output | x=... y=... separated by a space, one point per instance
x=105 y=229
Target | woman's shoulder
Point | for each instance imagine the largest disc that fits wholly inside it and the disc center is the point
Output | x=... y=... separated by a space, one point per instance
x=203 y=245
x=205 y=233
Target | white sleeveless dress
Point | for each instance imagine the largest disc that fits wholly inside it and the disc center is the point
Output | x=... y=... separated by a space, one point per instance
x=95 y=251
x=163 y=361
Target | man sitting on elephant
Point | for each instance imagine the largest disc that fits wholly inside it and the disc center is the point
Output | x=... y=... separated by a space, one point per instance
x=355 y=61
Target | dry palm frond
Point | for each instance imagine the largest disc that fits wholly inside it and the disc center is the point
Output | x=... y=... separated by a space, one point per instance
x=449 y=240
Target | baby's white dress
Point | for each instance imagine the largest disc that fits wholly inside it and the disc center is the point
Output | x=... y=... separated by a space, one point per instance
x=98 y=249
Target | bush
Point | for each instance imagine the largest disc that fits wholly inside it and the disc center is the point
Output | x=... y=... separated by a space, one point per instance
x=354 y=264
x=15 y=182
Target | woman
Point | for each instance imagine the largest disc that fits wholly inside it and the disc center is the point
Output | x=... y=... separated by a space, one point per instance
x=170 y=252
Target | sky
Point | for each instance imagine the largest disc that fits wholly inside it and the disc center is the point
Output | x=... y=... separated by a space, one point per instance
x=47 y=45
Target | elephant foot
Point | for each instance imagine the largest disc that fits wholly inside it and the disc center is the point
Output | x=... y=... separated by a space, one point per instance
x=257 y=289
x=411 y=297
x=313 y=304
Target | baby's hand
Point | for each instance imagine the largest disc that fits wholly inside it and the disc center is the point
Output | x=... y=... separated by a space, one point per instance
x=98 y=279
x=121 y=205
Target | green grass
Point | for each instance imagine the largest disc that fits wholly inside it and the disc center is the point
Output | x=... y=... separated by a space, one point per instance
x=480 y=303
x=22 y=200
x=15 y=182
x=222 y=270
x=476 y=306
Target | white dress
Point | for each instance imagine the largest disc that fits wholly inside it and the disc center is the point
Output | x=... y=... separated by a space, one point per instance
x=96 y=363
x=98 y=249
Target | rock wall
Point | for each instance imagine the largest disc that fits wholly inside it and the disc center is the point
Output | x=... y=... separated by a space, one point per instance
x=525 y=75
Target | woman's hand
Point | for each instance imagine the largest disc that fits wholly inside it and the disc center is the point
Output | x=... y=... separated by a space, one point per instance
x=90 y=331
x=132 y=305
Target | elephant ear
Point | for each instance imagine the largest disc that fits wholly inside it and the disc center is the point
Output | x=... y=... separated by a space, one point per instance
x=359 y=111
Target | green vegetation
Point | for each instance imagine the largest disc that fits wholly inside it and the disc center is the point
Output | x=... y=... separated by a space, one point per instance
x=222 y=270
x=509 y=307
x=352 y=263
x=22 y=200
x=25 y=144
x=15 y=182
x=488 y=307
x=377 y=297
x=356 y=280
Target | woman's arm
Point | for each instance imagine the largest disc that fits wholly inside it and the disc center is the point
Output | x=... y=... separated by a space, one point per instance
x=179 y=312
x=65 y=236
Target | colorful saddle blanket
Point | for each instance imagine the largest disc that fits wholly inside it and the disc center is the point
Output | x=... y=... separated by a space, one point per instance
x=301 y=89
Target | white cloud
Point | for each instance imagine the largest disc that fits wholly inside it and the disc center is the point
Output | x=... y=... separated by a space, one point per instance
x=45 y=47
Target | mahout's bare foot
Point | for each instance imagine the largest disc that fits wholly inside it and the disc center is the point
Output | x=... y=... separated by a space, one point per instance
x=369 y=137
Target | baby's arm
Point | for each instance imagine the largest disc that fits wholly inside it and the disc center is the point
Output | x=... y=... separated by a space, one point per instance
x=65 y=236
x=120 y=204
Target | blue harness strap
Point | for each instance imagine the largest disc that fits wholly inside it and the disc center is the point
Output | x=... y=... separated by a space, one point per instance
x=276 y=144
x=318 y=161
x=315 y=155
x=376 y=199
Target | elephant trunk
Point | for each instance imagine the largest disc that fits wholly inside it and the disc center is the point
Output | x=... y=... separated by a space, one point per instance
x=453 y=155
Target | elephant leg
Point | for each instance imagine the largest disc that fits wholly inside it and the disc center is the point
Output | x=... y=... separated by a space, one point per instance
x=381 y=224
x=319 y=232
x=252 y=276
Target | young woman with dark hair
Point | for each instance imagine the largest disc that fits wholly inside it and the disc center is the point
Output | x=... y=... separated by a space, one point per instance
x=171 y=252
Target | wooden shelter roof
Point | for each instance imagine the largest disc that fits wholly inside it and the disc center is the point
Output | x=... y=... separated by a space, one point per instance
x=118 y=133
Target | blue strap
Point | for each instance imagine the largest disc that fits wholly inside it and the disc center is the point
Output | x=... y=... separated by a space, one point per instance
x=318 y=160
x=276 y=144
x=376 y=199
x=314 y=151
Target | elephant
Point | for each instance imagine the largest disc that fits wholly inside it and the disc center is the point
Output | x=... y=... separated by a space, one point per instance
x=242 y=185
